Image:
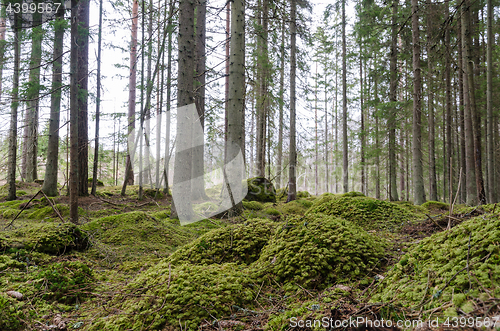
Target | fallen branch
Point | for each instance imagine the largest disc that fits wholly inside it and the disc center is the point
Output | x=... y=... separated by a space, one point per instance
x=25 y=206
x=433 y=221
x=53 y=206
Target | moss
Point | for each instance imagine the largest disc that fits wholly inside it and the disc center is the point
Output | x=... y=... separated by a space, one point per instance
x=293 y=208
x=48 y=211
x=304 y=203
x=21 y=193
x=50 y=238
x=8 y=263
x=98 y=183
x=239 y=243
x=185 y=295
x=363 y=211
x=11 y=318
x=260 y=189
x=303 y=194
x=436 y=205
x=441 y=258
x=66 y=282
x=135 y=233
x=253 y=205
x=153 y=193
x=417 y=210
x=318 y=249
x=205 y=208
x=272 y=211
x=353 y=194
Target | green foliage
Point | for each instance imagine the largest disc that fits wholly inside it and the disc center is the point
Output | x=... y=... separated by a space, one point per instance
x=429 y=265
x=436 y=205
x=364 y=211
x=10 y=316
x=253 y=205
x=315 y=250
x=185 y=295
x=239 y=243
x=66 y=282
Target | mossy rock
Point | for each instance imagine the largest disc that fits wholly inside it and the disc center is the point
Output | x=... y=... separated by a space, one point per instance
x=135 y=233
x=239 y=243
x=436 y=267
x=51 y=238
x=206 y=208
x=364 y=211
x=66 y=282
x=252 y=205
x=272 y=211
x=293 y=208
x=260 y=189
x=436 y=205
x=317 y=250
x=164 y=297
x=353 y=194
x=303 y=194
x=98 y=183
x=153 y=193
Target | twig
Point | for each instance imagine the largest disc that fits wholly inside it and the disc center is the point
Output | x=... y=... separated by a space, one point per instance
x=111 y=203
x=434 y=221
x=25 y=206
x=53 y=206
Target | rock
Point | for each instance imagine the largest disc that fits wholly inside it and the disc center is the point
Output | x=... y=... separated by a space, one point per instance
x=260 y=189
x=15 y=294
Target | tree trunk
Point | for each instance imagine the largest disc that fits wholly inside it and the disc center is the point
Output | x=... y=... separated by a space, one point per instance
x=316 y=151
x=391 y=121
x=74 y=98
x=292 y=179
x=51 y=168
x=461 y=106
x=32 y=95
x=170 y=28
x=418 y=178
x=82 y=74
x=98 y=103
x=362 y=135
x=11 y=169
x=449 y=122
x=377 y=139
x=236 y=105
x=181 y=208
x=430 y=105
x=3 y=44
x=281 y=105
x=492 y=194
x=345 y=155
x=263 y=99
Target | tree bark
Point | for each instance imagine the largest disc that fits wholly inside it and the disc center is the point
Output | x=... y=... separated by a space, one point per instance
x=50 y=181
x=74 y=59
x=345 y=155
x=3 y=43
x=391 y=121
x=430 y=105
x=449 y=122
x=492 y=194
x=292 y=179
x=418 y=178
x=281 y=105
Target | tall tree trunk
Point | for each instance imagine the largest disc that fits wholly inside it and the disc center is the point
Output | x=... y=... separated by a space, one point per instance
x=236 y=103
x=316 y=152
x=83 y=72
x=33 y=93
x=363 y=135
x=492 y=194
x=185 y=98
x=377 y=139
x=98 y=103
x=418 y=178
x=430 y=105
x=449 y=122
x=74 y=98
x=51 y=168
x=3 y=43
x=198 y=182
x=327 y=160
x=132 y=82
x=11 y=168
x=170 y=29
x=281 y=105
x=391 y=121
x=345 y=156
x=461 y=107
x=263 y=99
x=292 y=179
x=471 y=190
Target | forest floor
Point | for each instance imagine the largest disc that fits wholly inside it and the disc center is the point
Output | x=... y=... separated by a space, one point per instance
x=332 y=262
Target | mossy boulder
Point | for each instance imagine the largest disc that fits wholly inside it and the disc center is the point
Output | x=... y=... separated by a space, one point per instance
x=353 y=194
x=165 y=297
x=364 y=211
x=51 y=238
x=253 y=205
x=135 y=233
x=293 y=208
x=239 y=243
x=424 y=271
x=318 y=250
x=272 y=211
x=303 y=194
x=260 y=189
x=436 y=205
x=153 y=193
x=98 y=182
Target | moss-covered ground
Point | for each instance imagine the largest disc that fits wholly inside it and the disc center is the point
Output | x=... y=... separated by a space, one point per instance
x=128 y=266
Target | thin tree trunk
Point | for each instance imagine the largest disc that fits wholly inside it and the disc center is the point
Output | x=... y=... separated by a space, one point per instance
x=391 y=121
x=345 y=155
x=461 y=106
x=98 y=103
x=316 y=152
x=11 y=169
x=492 y=194
x=281 y=105
x=363 y=135
x=447 y=78
x=292 y=179
x=3 y=44
x=430 y=106
x=377 y=139
x=170 y=29
x=51 y=168
x=73 y=172
x=418 y=178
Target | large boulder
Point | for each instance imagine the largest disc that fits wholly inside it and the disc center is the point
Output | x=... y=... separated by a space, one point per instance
x=260 y=189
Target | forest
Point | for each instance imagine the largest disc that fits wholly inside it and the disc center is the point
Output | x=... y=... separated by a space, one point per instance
x=249 y=165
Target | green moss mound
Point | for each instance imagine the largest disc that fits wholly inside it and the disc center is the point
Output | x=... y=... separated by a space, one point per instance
x=303 y=194
x=135 y=233
x=252 y=205
x=98 y=182
x=318 y=249
x=186 y=295
x=272 y=211
x=353 y=194
x=66 y=282
x=436 y=205
x=364 y=211
x=239 y=243
x=422 y=273
x=50 y=238
x=10 y=316
x=152 y=193
x=260 y=189
x=293 y=208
